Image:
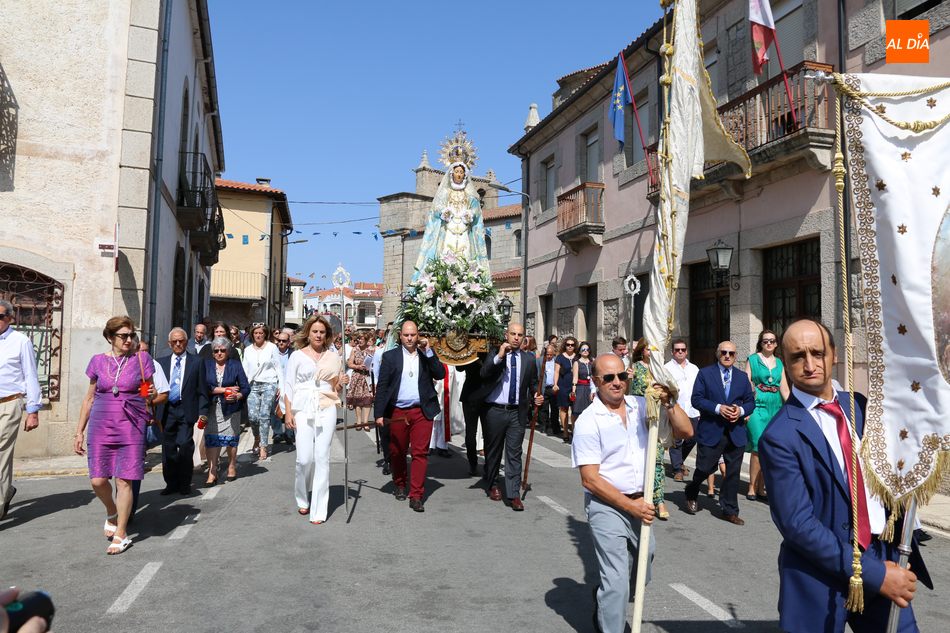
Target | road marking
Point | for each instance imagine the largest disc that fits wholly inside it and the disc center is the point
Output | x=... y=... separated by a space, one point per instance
x=554 y=505
x=708 y=606
x=210 y=493
x=549 y=457
x=182 y=530
x=132 y=591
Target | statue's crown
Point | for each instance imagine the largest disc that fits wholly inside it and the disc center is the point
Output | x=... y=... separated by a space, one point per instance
x=458 y=149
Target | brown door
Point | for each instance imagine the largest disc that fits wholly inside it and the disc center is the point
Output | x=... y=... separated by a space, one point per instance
x=708 y=313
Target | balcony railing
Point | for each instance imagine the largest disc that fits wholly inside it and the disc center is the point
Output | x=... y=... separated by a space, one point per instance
x=235 y=284
x=580 y=214
x=196 y=192
x=763 y=115
x=209 y=240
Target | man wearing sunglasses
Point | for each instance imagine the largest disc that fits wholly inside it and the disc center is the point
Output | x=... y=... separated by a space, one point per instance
x=19 y=390
x=609 y=450
x=724 y=397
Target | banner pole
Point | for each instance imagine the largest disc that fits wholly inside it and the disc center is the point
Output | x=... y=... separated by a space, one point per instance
x=907 y=535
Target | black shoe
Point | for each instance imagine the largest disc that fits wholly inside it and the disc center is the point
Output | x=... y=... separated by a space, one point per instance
x=168 y=490
x=386 y=469
x=473 y=471
x=922 y=535
x=416 y=505
x=6 y=505
x=444 y=452
x=400 y=493
x=184 y=491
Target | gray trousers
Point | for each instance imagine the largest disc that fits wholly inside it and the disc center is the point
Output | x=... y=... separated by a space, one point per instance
x=503 y=430
x=616 y=542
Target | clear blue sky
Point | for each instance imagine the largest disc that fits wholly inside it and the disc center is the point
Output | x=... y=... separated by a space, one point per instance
x=336 y=101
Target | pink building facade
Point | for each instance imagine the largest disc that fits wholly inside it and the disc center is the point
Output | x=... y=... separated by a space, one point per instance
x=590 y=218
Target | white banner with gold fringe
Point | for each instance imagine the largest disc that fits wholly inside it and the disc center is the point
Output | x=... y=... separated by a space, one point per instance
x=897 y=134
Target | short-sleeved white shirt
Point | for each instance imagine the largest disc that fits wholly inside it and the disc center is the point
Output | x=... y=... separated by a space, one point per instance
x=601 y=438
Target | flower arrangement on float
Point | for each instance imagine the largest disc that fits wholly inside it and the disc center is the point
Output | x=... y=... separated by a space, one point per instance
x=453 y=295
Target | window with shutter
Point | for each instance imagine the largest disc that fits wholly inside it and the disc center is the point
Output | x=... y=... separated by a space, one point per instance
x=790 y=31
x=633 y=147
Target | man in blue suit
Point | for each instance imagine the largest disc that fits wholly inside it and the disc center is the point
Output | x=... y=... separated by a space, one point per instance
x=803 y=452
x=724 y=397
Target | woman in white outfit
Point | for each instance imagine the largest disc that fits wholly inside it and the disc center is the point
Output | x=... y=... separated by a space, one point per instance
x=311 y=385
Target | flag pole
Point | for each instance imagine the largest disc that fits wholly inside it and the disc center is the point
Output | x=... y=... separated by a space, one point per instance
x=341 y=278
x=636 y=116
x=788 y=90
x=905 y=549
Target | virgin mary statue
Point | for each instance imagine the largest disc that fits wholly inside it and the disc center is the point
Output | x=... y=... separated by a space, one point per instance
x=455 y=229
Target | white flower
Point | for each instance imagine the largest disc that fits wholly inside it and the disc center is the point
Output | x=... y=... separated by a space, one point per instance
x=450 y=258
x=475 y=287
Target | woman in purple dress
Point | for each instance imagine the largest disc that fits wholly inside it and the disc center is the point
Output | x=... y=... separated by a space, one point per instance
x=116 y=413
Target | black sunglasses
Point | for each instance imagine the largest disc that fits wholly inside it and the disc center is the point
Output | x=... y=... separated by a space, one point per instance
x=283 y=340
x=125 y=335
x=679 y=349
x=6 y=316
x=609 y=378
x=726 y=352
x=219 y=351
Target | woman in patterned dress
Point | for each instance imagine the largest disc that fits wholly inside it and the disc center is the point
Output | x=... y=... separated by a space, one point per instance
x=639 y=379
x=767 y=374
x=116 y=413
x=227 y=389
x=359 y=396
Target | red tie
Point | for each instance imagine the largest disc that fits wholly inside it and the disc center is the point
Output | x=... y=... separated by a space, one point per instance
x=844 y=436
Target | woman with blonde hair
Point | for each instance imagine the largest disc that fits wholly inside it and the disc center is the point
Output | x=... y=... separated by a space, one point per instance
x=115 y=410
x=311 y=385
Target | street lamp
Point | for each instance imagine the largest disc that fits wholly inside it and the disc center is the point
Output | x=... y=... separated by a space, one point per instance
x=505 y=306
x=720 y=260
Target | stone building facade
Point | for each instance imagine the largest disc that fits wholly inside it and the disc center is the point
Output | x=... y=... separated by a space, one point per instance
x=780 y=223
x=402 y=219
x=108 y=149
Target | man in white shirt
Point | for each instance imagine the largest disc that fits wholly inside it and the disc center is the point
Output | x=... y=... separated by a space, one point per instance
x=684 y=372
x=19 y=390
x=619 y=347
x=200 y=341
x=285 y=339
x=609 y=449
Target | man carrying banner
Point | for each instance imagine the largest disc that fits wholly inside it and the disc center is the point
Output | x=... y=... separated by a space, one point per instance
x=609 y=449
x=806 y=452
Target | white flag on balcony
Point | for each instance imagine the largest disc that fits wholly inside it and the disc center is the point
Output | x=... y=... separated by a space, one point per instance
x=901 y=192
x=684 y=148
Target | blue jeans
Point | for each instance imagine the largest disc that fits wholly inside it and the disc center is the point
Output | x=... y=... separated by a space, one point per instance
x=260 y=404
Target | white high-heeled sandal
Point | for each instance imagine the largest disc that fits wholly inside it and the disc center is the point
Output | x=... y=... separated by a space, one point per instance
x=109 y=528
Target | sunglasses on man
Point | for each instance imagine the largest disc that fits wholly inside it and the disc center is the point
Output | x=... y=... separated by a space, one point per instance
x=727 y=353
x=677 y=350
x=609 y=378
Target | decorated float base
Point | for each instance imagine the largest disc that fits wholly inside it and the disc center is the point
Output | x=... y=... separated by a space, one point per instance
x=458 y=347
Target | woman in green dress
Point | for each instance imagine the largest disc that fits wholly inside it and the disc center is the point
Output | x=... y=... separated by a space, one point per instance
x=639 y=374
x=767 y=374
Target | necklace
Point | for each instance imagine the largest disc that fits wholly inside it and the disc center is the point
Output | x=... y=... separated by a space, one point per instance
x=119 y=365
x=413 y=363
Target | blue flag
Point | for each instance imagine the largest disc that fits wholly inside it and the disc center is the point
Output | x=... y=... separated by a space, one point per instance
x=620 y=98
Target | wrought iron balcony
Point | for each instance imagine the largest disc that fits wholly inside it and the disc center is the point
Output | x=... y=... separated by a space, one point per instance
x=196 y=192
x=762 y=122
x=209 y=240
x=580 y=215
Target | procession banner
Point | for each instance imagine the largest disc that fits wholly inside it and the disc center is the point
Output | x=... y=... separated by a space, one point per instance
x=684 y=148
x=897 y=134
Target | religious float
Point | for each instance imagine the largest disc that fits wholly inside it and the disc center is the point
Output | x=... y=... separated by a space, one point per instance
x=450 y=296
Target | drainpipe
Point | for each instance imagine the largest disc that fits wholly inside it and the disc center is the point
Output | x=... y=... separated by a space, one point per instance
x=157 y=192
x=525 y=212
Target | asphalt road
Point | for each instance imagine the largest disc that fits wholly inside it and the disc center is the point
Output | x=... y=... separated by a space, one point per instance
x=237 y=557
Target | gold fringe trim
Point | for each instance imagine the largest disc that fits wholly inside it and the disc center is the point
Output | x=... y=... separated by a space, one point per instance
x=855 y=602
x=922 y=494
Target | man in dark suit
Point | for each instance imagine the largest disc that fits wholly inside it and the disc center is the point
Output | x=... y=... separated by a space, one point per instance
x=406 y=396
x=187 y=403
x=724 y=397
x=806 y=459
x=472 y=409
x=509 y=388
x=200 y=345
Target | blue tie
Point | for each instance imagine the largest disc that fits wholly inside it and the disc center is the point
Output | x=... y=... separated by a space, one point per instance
x=513 y=380
x=174 y=394
x=726 y=381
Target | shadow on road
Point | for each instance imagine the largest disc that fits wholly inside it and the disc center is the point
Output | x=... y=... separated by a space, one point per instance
x=32 y=509
x=570 y=599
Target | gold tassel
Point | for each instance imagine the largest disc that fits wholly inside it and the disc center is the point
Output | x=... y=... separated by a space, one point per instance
x=855 y=602
x=888 y=534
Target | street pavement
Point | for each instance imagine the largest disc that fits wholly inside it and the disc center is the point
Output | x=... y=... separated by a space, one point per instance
x=237 y=557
